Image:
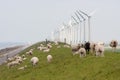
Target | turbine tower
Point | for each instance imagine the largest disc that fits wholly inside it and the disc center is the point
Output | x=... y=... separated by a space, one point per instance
x=76 y=22
x=84 y=25
x=89 y=17
x=79 y=25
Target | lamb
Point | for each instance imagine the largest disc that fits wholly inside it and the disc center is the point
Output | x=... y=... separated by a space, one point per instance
x=34 y=60
x=49 y=58
x=113 y=44
x=99 y=49
x=82 y=52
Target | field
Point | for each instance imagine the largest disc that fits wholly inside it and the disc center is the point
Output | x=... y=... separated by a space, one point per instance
x=65 y=66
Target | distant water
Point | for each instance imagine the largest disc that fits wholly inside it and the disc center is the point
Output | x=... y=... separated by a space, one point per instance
x=10 y=44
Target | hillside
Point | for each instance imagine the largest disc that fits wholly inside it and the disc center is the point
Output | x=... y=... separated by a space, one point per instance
x=65 y=66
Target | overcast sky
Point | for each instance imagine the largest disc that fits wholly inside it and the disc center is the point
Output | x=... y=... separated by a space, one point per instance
x=34 y=20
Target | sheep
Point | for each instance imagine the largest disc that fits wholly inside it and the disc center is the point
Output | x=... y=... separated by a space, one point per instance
x=49 y=58
x=82 y=52
x=99 y=49
x=46 y=50
x=13 y=63
x=34 y=60
x=39 y=48
x=10 y=59
x=29 y=52
x=49 y=46
x=23 y=56
x=66 y=46
x=41 y=45
x=75 y=48
x=87 y=47
x=92 y=48
x=114 y=44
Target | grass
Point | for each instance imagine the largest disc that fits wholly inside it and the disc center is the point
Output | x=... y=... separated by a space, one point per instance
x=65 y=66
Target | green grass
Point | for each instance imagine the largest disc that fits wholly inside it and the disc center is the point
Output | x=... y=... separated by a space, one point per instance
x=65 y=66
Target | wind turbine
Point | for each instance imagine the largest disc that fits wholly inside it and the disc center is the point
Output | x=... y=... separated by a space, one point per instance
x=89 y=17
x=79 y=25
x=76 y=22
x=84 y=24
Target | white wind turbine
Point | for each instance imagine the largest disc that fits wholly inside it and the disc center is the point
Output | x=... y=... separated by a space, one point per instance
x=89 y=26
x=84 y=25
x=80 y=21
x=76 y=22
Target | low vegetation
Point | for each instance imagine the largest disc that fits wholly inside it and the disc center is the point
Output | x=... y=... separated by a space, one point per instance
x=65 y=66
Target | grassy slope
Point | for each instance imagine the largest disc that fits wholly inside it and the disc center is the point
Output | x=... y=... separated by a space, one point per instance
x=65 y=66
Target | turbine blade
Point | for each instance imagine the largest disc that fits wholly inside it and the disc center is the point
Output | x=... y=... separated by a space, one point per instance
x=83 y=13
x=74 y=19
x=80 y=15
x=92 y=13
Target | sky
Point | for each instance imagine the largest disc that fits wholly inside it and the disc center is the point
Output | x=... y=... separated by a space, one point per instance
x=34 y=20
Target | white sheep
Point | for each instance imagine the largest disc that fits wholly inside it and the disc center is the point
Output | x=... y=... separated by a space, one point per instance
x=99 y=49
x=49 y=58
x=66 y=46
x=82 y=52
x=47 y=50
x=29 y=52
x=49 y=46
x=75 y=48
x=34 y=60
x=13 y=63
x=114 y=44
x=92 y=48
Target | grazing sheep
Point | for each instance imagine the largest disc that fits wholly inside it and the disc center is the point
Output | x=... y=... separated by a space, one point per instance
x=47 y=50
x=13 y=63
x=10 y=59
x=29 y=52
x=66 y=46
x=23 y=56
x=49 y=46
x=39 y=48
x=49 y=58
x=75 y=48
x=99 y=49
x=41 y=45
x=34 y=60
x=82 y=52
x=113 y=44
